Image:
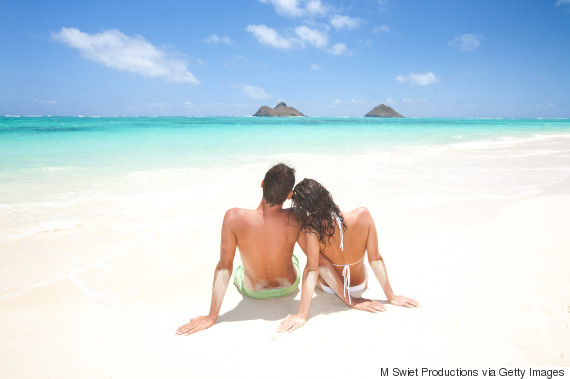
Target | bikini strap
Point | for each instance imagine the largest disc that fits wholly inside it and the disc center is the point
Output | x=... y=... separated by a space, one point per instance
x=350 y=264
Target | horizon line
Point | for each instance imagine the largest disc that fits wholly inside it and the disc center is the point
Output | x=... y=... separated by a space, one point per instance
x=286 y=117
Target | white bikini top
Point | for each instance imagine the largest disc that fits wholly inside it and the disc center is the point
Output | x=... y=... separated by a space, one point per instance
x=346 y=269
x=339 y=228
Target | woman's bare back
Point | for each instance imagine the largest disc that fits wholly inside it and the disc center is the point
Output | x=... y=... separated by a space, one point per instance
x=354 y=240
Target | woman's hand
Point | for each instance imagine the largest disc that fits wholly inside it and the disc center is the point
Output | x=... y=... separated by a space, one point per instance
x=291 y=323
x=404 y=301
x=367 y=305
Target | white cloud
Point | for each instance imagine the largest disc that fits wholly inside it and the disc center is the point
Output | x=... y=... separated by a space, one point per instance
x=315 y=67
x=303 y=36
x=340 y=99
x=338 y=49
x=381 y=29
x=312 y=36
x=562 y=2
x=213 y=38
x=133 y=54
x=418 y=79
x=467 y=42
x=340 y=22
x=315 y=7
x=298 y=8
x=269 y=36
x=255 y=92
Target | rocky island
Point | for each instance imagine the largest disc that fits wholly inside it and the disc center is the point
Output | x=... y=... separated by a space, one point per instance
x=281 y=110
x=383 y=111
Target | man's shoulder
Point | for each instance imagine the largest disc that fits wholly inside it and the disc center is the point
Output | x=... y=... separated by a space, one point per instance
x=288 y=212
x=242 y=216
x=237 y=212
x=238 y=215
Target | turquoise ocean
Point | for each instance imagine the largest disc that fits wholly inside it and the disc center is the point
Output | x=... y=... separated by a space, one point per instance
x=76 y=192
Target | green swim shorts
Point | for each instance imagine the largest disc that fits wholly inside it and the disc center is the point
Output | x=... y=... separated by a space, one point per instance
x=270 y=293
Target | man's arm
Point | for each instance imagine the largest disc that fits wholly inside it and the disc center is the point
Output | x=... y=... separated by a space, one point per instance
x=310 y=276
x=221 y=278
x=377 y=263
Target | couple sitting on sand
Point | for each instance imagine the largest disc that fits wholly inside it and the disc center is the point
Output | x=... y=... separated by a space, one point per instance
x=334 y=242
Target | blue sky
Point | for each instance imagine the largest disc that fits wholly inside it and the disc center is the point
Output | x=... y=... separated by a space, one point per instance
x=436 y=58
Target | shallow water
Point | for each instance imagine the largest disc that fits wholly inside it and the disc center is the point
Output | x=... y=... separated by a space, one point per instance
x=78 y=193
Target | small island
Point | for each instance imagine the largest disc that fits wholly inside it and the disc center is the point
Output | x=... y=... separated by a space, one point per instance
x=281 y=110
x=383 y=111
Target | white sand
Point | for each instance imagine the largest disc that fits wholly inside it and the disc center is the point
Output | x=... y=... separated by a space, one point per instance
x=491 y=275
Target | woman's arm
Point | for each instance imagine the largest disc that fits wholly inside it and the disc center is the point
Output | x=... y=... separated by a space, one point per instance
x=377 y=263
x=334 y=281
x=310 y=276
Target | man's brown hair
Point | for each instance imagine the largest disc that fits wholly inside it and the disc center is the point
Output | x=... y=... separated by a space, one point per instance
x=277 y=184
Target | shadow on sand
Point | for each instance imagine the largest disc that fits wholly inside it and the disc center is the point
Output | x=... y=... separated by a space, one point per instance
x=279 y=308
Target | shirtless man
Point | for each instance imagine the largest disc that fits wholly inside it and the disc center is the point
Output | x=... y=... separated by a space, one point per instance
x=265 y=237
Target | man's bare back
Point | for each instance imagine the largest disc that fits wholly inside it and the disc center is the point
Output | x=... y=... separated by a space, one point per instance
x=265 y=238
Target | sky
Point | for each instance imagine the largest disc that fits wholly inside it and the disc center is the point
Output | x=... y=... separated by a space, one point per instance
x=436 y=58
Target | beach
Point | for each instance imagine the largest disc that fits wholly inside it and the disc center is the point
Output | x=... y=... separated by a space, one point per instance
x=110 y=237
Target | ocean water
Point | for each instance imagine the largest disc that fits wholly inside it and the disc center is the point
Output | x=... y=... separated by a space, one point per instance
x=81 y=196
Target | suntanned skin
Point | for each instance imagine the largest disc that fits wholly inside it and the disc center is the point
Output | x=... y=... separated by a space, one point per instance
x=329 y=274
x=361 y=236
x=265 y=237
x=310 y=277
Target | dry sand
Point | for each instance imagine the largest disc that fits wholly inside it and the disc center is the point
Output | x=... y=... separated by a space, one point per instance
x=491 y=275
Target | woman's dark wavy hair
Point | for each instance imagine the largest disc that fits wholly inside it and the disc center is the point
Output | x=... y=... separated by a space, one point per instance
x=314 y=209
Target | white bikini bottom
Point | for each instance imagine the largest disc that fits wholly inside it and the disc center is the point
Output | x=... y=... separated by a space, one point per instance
x=357 y=288
x=346 y=276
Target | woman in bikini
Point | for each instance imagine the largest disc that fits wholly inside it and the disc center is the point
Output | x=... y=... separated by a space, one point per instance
x=344 y=238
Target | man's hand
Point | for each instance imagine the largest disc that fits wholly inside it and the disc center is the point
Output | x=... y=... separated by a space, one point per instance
x=195 y=325
x=404 y=301
x=291 y=323
x=363 y=304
